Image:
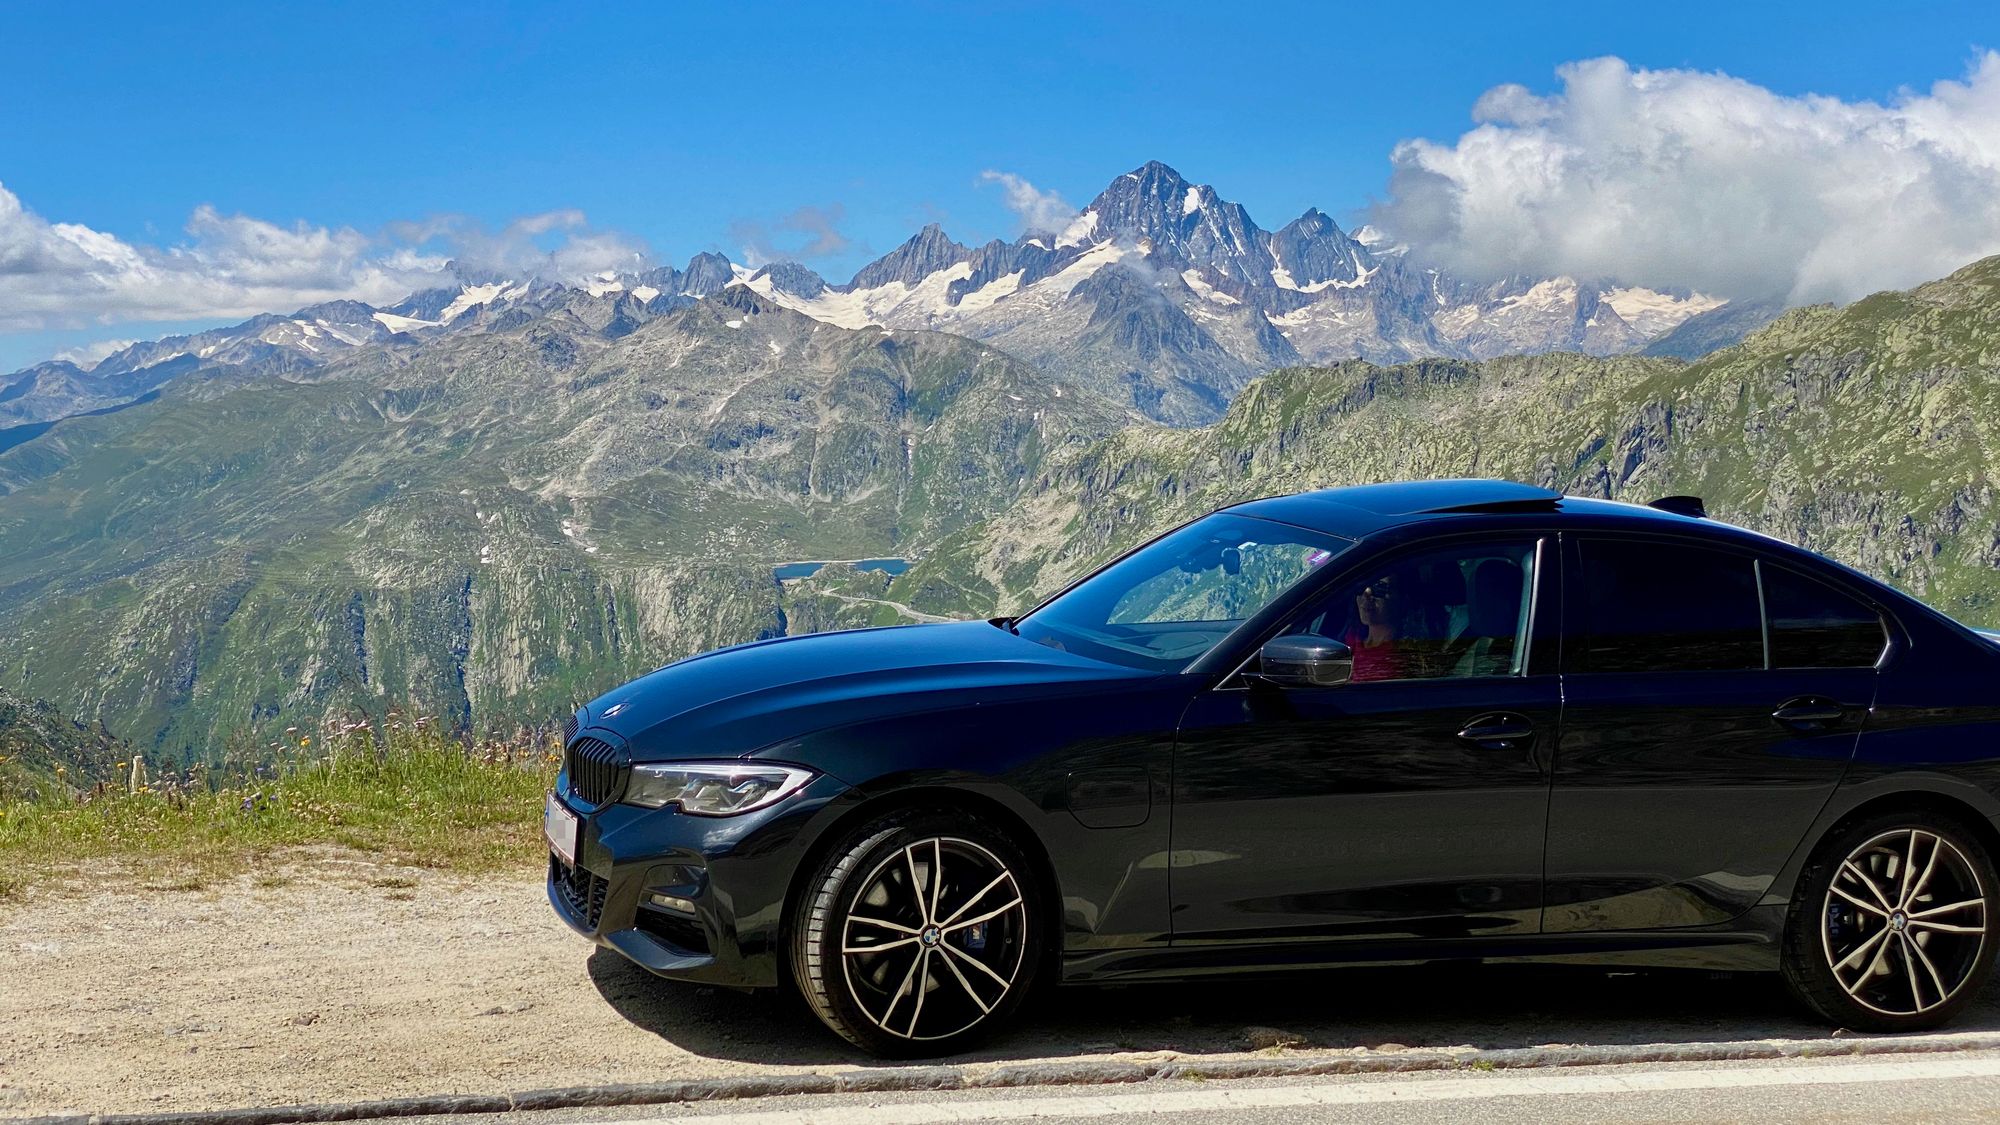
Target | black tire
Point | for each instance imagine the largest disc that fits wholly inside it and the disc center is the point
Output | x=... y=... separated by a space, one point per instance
x=876 y=889
x=1873 y=940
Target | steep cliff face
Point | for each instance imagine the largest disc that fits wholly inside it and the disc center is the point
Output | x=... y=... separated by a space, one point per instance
x=1868 y=432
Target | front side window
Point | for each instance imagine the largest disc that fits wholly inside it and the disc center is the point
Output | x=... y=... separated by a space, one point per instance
x=1814 y=625
x=1656 y=606
x=1165 y=605
x=1455 y=612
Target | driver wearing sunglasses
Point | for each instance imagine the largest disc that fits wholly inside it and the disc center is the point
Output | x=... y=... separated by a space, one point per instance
x=1379 y=630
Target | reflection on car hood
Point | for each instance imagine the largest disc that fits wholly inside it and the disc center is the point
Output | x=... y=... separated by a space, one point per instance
x=1989 y=634
x=736 y=700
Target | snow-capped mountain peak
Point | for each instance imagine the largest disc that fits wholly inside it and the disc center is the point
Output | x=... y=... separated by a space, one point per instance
x=926 y=252
x=1160 y=291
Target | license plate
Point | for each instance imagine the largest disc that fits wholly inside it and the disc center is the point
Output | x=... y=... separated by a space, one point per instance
x=560 y=825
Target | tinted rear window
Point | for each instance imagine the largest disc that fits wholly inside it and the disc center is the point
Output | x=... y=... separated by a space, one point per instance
x=1814 y=625
x=1666 y=607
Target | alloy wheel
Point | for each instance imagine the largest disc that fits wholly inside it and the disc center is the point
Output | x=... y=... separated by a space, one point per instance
x=1904 y=923
x=935 y=938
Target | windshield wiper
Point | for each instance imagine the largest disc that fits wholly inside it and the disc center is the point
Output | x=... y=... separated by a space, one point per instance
x=1006 y=623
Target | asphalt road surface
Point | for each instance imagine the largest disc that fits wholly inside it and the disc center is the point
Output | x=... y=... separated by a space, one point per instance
x=1910 y=1088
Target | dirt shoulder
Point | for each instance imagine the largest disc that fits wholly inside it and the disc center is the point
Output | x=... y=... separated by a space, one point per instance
x=334 y=979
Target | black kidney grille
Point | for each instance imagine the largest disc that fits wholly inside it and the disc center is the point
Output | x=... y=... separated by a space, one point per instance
x=569 y=728
x=597 y=771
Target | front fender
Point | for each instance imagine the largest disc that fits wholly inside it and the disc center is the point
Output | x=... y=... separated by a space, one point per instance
x=1083 y=776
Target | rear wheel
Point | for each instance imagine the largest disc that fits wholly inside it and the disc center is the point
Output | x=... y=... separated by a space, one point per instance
x=919 y=934
x=1891 y=929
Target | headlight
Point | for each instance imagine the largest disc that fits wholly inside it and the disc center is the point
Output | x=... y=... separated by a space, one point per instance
x=713 y=788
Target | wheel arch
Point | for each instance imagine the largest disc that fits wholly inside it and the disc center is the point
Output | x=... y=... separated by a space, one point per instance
x=926 y=796
x=1925 y=800
x=1946 y=796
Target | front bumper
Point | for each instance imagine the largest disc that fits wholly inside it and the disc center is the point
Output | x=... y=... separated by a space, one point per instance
x=730 y=876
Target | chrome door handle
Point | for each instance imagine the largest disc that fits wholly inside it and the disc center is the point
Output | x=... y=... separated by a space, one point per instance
x=1498 y=731
x=1809 y=714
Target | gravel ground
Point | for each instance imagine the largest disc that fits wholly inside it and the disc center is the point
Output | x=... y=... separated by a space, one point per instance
x=339 y=980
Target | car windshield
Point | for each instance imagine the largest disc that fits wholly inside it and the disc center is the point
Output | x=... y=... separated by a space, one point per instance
x=1165 y=605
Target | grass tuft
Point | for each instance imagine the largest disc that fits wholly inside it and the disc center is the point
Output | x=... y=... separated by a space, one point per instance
x=415 y=797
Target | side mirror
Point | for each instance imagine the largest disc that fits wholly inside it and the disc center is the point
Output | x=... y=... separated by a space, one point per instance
x=1304 y=661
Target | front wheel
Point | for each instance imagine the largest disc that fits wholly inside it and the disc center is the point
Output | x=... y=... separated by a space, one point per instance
x=918 y=934
x=1890 y=930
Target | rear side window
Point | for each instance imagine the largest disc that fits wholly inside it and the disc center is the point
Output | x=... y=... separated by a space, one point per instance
x=1668 y=607
x=1814 y=625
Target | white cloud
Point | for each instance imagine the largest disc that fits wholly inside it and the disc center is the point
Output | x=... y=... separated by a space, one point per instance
x=90 y=355
x=65 y=275
x=1683 y=179
x=819 y=225
x=1041 y=212
x=557 y=245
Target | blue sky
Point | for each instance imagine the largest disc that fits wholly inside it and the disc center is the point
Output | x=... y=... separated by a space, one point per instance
x=682 y=126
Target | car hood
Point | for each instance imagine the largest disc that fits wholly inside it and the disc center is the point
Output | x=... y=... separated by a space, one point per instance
x=735 y=701
x=1988 y=635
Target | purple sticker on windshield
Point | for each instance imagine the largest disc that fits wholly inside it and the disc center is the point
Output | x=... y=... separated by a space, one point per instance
x=1318 y=557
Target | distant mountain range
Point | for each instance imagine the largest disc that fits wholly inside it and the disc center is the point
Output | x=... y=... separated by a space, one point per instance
x=1160 y=294
x=496 y=498
x=1868 y=432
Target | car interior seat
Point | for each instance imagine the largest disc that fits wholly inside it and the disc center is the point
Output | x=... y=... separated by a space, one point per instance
x=1494 y=613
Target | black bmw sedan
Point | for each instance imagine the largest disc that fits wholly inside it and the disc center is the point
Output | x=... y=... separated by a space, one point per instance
x=1384 y=724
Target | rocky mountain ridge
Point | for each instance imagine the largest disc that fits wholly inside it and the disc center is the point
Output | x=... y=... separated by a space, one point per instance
x=1204 y=299
x=1868 y=432
x=1160 y=293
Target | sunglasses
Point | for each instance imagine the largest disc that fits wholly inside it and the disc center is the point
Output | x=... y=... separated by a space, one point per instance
x=1378 y=591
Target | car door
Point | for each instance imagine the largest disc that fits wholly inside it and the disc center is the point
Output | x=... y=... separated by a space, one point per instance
x=1712 y=701
x=1409 y=802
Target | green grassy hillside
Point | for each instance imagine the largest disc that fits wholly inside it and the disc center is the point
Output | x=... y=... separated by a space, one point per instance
x=493 y=526
x=1869 y=432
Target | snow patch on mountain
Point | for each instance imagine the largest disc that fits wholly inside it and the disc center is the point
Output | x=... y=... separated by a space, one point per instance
x=1650 y=312
x=1193 y=280
x=986 y=296
x=396 y=323
x=1089 y=262
x=1078 y=232
x=892 y=303
x=471 y=297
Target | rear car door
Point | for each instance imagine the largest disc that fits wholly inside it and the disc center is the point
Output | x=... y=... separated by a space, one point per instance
x=1408 y=803
x=1712 y=701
